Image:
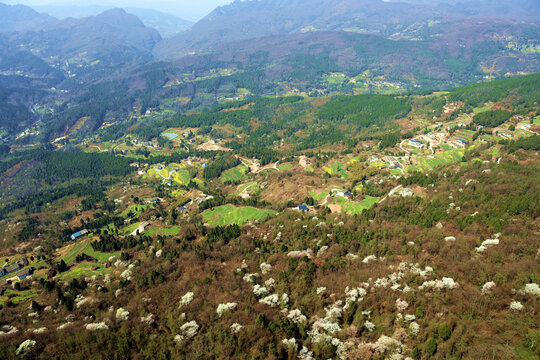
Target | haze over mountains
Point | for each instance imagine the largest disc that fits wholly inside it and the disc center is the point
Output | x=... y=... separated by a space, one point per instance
x=410 y=44
x=302 y=179
x=168 y=25
x=112 y=38
x=20 y=17
x=411 y=20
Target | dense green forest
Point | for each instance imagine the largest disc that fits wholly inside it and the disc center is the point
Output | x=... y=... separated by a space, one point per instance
x=58 y=165
x=34 y=202
x=492 y=119
x=525 y=88
x=69 y=165
x=222 y=163
x=364 y=110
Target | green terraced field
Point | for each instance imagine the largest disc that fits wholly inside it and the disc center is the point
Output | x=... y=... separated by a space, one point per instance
x=353 y=160
x=245 y=187
x=336 y=169
x=84 y=247
x=135 y=209
x=424 y=164
x=522 y=133
x=370 y=201
x=318 y=197
x=485 y=108
x=336 y=79
x=443 y=158
x=234 y=174
x=83 y=269
x=181 y=177
x=129 y=229
x=164 y=231
x=465 y=134
x=434 y=162
x=17 y=296
x=198 y=181
x=177 y=193
x=354 y=207
x=284 y=167
x=413 y=168
x=487 y=137
x=229 y=214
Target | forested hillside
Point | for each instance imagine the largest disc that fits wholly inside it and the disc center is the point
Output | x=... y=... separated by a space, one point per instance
x=314 y=180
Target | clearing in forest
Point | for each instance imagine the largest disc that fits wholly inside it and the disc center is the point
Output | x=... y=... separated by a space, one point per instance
x=235 y=174
x=355 y=207
x=336 y=169
x=84 y=247
x=229 y=214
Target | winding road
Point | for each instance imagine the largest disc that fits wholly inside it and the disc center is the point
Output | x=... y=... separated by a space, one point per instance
x=275 y=166
x=392 y=192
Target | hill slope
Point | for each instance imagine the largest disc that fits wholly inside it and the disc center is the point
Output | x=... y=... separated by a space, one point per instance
x=111 y=38
x=306 y=56
x=353 y=227
x=251 y=19
x=20 y=17
x=167 y=24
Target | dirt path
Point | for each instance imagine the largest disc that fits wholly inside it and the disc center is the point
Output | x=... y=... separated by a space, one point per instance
x=97 y=147
x=245 y=190
x=392 y=192
x=243 y=163
x=402 y=148
x=267 y=167
x=329 y=196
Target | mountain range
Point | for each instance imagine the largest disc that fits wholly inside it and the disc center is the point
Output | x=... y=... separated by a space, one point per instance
x=263 y=44
x=111 y=38
x=399 y=20
x=168 y=25
x=301 y=179
x=20 y=18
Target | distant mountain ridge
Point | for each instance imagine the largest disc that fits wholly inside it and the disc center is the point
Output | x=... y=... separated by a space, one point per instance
x=502 y=9
x=168 y=25
x=303 y=56
x=21 y=17
x=109 y=39
x=244 y=20
x=109 y=60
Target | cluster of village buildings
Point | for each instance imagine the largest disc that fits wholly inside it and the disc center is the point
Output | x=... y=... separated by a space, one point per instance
x=15 y=272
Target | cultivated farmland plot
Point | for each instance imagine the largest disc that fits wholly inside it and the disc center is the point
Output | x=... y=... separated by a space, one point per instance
x=229 y=214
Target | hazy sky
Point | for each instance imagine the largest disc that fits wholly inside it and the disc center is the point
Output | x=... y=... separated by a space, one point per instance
x=187 y=9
